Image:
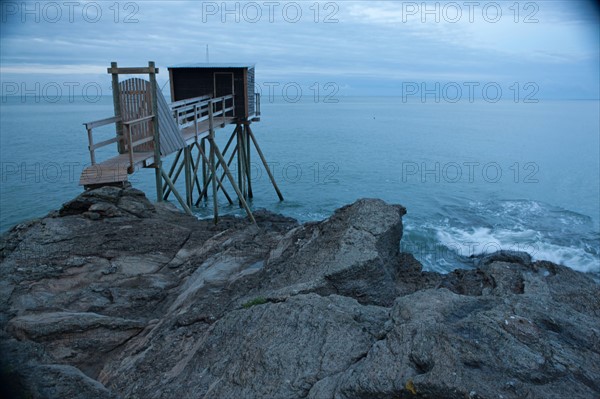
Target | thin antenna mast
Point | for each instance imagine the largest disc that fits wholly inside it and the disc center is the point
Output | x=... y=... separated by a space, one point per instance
x=207 y=61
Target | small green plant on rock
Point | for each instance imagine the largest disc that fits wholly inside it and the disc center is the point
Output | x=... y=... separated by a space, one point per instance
x=256 y=301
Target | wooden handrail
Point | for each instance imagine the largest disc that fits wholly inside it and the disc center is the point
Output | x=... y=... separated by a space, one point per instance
x=191 y=112
x=102 y=122
x=106 y=142
x=142 y=141
x=139 y=120
x=187 y=101
x=91 y=125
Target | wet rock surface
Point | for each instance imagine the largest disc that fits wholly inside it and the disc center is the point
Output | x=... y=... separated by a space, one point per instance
x=115 y=297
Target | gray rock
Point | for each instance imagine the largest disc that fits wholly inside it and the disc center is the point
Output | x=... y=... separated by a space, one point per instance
x=141 y=301
x=519 y=257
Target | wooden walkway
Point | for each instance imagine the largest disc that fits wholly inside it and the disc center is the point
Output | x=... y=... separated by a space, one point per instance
x=113 y=170
x=179 y=125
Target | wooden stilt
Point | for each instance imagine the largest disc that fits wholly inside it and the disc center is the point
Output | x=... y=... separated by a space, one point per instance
x=117 y=105
x=175 y=192
x=157 y=156
x=248 y=164
x=228 y=165
x=220 y=184
x=240 y=163
x=202 y=149
x=206 y=177
x=195 y=167
x=213 y=170
x=174 y=179
x=264 y=161
x=172 y=169
x=232 y=181
x=188 y=174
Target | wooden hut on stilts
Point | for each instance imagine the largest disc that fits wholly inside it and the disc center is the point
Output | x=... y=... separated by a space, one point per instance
x=206 y=98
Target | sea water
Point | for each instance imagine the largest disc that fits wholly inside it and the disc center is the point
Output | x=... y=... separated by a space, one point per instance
x=475 y=176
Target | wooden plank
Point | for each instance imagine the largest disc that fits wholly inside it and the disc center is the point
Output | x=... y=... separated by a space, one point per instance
x=99 y=175
x=102 y=122
x=142 y=141
x=170 y=137
x=181 y=103
x=138 y=120
x=131 y=70
x=104 y=143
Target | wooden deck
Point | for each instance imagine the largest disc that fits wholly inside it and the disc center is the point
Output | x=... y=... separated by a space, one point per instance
x=113 y=170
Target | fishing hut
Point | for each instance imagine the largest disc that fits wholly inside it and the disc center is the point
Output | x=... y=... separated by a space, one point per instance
x=206 y=98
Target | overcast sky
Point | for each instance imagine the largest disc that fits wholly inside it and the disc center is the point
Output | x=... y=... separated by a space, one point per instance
x=364 y=47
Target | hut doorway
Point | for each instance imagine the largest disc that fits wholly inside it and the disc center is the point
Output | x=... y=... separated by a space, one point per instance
x=223 y=84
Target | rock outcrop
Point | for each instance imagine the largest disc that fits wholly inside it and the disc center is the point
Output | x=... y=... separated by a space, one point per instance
x=116 y=297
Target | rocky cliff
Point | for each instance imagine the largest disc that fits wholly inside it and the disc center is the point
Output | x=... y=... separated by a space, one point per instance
x=116 y=297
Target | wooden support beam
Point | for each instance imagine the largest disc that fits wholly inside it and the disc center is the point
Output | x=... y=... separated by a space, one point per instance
x=188 y=174
x=213 y=171
x=232 y=181
x=102 y=122
x=195 y=166
x=264 y=161
x=220 y=182
x=248 y=164
x=240 y=162
x=114 y=70
x=117 y=104
x=102 y=143
x=91 y=146
x=177 y=155
x=202 y=148
x=206 y=178
x=174 y=179
x=223 y=174
x=172 y=186
x=157 y=156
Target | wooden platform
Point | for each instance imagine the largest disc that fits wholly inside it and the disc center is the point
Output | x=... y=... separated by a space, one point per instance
x=113 y=170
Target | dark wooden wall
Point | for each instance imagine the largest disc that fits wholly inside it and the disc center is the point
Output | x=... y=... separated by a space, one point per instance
x=195 y=82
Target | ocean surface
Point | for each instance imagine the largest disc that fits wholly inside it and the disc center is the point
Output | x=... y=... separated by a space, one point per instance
x=475 y=177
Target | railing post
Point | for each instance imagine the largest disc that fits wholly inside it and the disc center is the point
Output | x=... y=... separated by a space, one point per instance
x=91 y=146
x=117 y=103
x=211 y=136
x=130 y=148
x=157 y=157
x=196 y=120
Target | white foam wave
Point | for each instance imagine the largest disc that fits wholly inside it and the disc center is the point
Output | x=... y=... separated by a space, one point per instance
x=483 y=240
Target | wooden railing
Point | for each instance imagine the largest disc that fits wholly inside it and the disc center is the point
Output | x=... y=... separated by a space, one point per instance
x=126 y=138
x=129 y=143
x=257 y=104
x=187 y=113
x=191 y=112
x=93 y=146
